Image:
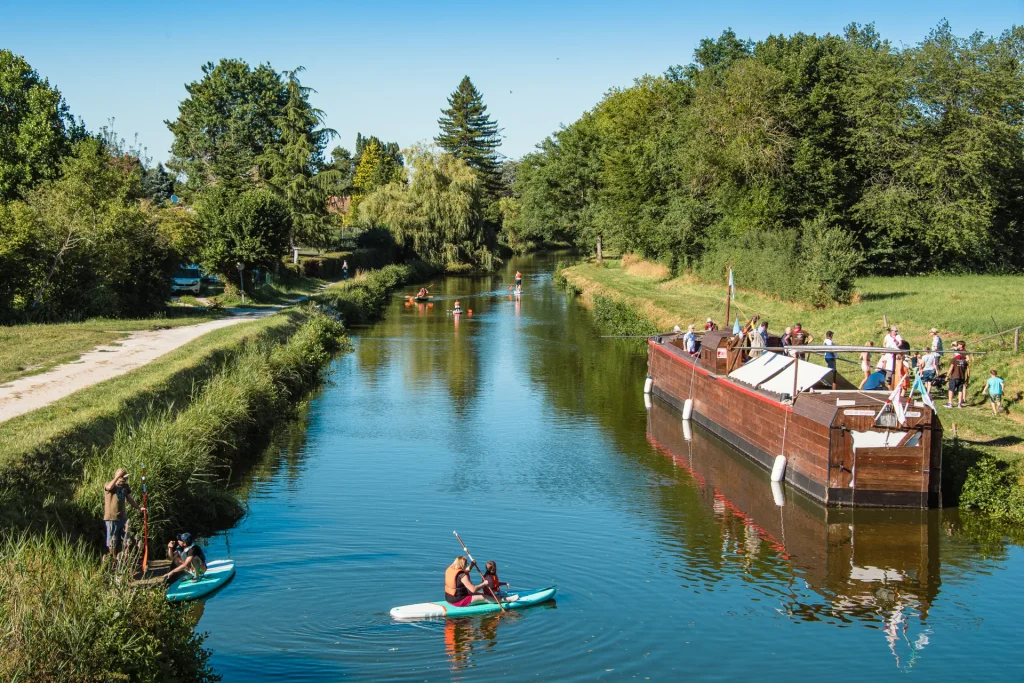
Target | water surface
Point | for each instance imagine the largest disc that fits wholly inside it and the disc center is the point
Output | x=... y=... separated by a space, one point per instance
x=523 y=429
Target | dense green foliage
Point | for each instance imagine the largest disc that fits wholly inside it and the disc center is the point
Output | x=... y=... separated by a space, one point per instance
x=438 y=216
x=468 y=133
x=83 y=245
x=36 y=128
x=65 y=617
x=251 y=228
x=916 y=153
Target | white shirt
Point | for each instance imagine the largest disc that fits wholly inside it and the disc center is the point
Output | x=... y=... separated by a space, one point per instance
x=893 y=342
x=690 y=340
x=936 y=343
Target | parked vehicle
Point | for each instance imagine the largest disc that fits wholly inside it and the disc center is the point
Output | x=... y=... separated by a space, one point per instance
x=187 y=278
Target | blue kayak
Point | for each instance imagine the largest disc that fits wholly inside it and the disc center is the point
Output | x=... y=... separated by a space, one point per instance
x=218 y=573
x=436 y=610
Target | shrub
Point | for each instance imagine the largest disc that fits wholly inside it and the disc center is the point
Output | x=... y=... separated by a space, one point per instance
x=65 y=617
x=618 y=317
x=829 y=262
x=361 y=300
x=992 y=487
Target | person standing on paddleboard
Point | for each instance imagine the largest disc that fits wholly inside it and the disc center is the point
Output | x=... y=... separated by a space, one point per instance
x=519 y=280
x=458 y=589
x=185 y=556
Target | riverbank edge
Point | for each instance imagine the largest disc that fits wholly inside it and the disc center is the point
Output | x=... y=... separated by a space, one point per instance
x=264 y=376
x=971 y=478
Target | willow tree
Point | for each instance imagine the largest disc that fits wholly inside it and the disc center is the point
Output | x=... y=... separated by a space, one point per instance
x=438 y=215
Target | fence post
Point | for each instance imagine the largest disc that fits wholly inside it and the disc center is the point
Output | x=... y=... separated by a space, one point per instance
x=1016 y=340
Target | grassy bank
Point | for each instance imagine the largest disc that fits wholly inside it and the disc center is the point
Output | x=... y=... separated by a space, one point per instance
x=639 y=297
x=30 y=349
x=362 y=299
x=193 y=417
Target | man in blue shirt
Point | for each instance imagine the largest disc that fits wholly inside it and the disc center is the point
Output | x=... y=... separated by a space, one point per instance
x=830 y=357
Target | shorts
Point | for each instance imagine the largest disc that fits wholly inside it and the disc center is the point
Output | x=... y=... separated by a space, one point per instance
x=928 y=375
x=955 y=384
x=831 y=363
x=464 y=602
x=996 y=398
x=115 y=532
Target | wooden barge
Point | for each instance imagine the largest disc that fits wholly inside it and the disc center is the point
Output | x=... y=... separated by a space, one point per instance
x=864 y=562
x=835 y=451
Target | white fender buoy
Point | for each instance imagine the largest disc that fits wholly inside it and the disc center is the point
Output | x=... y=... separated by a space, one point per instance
x=647 y=401
x=778 y=494
x=779 y=468
x=649 y=384
x=687 y=409
x=687 y=431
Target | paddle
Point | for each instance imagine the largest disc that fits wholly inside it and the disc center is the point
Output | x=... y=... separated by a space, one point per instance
x=473 y=562
x=145 y=524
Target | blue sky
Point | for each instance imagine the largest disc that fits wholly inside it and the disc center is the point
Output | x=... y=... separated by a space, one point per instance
x=385 y=68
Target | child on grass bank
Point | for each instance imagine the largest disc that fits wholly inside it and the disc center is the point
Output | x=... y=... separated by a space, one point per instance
x=994 y=389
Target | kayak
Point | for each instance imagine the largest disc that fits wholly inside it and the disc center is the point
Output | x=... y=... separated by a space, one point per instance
x=218 y=573
x=436 y=610
x=422 y=298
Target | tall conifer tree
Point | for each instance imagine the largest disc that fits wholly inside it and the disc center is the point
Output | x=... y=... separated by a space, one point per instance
x=468 y=133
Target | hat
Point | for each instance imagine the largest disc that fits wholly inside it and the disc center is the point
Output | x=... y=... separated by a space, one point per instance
x=894 y=329
x=185 y=538
x=934 y=330
x=710 y=320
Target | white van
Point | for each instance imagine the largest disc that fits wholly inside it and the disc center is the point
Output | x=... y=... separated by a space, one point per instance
x=186 y=279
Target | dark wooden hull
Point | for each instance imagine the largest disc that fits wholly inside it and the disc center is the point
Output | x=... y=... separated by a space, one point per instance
x=814 y=433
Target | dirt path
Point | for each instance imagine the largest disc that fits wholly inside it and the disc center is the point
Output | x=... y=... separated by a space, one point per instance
x=26 y=394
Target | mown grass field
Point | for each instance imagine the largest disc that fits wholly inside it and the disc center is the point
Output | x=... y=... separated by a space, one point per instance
x=30 y=349
x=962 y=307
x=99 y=407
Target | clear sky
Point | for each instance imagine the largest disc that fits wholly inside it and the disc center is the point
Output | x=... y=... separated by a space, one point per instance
x=385 y=68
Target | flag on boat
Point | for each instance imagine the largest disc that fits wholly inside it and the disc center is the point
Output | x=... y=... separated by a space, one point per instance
x=919 y=386
x=897 y=404
x=736 y=327
x=732 y=285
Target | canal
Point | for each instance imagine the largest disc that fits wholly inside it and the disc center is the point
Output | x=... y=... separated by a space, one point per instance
x=524 y=430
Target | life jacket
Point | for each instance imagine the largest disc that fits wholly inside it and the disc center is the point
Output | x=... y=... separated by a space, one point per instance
x=198 y=566
x=453 y=587
x=492 y=581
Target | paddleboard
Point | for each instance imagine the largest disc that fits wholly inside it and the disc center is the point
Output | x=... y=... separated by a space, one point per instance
x=218 y=573
x=442 y=609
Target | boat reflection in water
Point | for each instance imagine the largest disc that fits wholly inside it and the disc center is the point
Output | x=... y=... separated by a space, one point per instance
x=466 y=638
x=878 y=567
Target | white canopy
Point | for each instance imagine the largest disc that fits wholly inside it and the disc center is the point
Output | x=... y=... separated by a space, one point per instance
x=762 y=368
x=809 y=375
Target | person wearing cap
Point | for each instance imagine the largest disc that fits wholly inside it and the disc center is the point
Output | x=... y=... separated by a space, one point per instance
x=185 y=557
x=690 y=340
x=115 y=493
x=710 y=326
x=893 y=340
x=936 y=341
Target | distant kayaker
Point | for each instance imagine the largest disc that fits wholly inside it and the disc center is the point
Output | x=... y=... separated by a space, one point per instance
x=491 y=579
x=458 y=308
x=185 y=557
x=519 y=280
x=458 y=589
x=115 y=493
x=423 y=293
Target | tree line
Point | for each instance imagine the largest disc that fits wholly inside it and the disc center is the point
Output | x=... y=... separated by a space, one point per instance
x=90 y=227
x=799 y=160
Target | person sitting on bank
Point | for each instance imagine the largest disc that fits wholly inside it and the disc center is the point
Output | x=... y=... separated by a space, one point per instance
x=186 y=558
x=115 y=493
x=491 y=580
x=459 y=591
x=690 y=340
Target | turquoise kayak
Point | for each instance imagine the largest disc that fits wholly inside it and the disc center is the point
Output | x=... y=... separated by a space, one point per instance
x=218 y=573
x=437 y=610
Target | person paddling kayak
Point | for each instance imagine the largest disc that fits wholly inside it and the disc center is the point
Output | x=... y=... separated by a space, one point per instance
x=423 y=293
x=491 y=579
x=458 y=589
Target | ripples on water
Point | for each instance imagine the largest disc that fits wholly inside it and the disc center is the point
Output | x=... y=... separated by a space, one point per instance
x=528 y=434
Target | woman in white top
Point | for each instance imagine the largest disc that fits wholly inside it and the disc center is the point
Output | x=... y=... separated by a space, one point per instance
x=865 y=363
